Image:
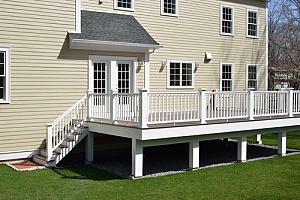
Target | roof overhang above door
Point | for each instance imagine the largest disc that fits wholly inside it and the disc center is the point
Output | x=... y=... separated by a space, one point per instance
x=109 y=46
x=111 y=32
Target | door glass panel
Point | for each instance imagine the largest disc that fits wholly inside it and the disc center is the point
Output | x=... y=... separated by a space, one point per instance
x=123 y=78
x=99 y=78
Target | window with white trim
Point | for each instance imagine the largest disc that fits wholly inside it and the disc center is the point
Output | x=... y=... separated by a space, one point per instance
x=252 y=76
x=169 y=7
x=226 y=76
x=180 y=74
x=124 y=4
x=252 y=23
x=227 y=20
x=4 y=75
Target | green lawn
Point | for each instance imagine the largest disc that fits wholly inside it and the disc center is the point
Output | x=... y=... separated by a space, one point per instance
x=293 y=139
x=277 y=178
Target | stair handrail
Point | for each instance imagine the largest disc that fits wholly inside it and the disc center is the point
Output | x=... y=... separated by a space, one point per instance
x=68 y=111
x=59 y=132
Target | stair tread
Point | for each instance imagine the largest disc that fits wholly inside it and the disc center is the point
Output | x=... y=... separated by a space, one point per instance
x=54 y=152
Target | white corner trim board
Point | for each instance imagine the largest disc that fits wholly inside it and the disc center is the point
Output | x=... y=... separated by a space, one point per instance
x=12 y=155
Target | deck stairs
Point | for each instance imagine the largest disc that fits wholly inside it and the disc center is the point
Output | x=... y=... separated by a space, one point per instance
x=63 y=135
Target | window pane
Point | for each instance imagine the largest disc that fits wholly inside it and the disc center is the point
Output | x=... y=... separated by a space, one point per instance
x=2 y=55
x=170 y=6
x=124 y=3
x=2 y=71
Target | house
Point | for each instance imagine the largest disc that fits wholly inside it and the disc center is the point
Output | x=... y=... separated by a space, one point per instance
x=78 y=67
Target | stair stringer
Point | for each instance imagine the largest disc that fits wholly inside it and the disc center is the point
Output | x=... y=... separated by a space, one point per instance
x=70 y=145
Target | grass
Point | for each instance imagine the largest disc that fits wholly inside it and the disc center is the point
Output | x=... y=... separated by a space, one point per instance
x=293 y=139
x=276 y=178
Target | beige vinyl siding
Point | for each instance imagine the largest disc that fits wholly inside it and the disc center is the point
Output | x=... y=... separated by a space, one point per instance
x=46 y=76
x=195 y=31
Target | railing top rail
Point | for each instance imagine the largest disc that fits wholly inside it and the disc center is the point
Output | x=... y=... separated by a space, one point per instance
x=167 y=93
x=270 y=92
x=68 y=111
x=228 y=92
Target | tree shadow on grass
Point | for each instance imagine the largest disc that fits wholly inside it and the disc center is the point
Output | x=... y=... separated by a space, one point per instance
x=85 y=173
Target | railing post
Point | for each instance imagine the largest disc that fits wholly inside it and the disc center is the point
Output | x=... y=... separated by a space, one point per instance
x=202 y=105
x=113 y=106
x=49 y=141
x=251 y=104
x=143 y=108
x=290 y=101
x=89 y=104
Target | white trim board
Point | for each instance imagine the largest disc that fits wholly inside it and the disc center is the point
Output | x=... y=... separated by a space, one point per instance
x=13 y=155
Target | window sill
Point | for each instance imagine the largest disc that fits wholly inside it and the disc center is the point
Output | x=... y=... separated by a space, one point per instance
x=252 y=37
x=4 y=102
x=125 y=9
x=170 y=15
x=227 y=34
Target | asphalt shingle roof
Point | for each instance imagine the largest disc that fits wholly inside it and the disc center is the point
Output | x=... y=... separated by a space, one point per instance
x=112 y=27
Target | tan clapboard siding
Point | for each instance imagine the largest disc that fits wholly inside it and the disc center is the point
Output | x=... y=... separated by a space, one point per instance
x=45 y=80
x=47 y=77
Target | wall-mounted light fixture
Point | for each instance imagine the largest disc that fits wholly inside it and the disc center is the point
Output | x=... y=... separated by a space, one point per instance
x=197 y=65
x=141 y=63
x=208 y=56
x=163 y=63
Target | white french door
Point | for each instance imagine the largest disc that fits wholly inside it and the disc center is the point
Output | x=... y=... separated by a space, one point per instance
x=108 y=73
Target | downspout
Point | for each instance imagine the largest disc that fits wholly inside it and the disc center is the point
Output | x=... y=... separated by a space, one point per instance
x=267 y=46
x=147 y=69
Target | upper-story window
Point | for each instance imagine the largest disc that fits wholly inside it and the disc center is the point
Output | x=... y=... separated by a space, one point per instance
x=180 y=74
x=227 y=20
x=252 y=23
x=226 y=76
x=252 y=76
x=4 y=75
x=169 y=7
x=124 y=5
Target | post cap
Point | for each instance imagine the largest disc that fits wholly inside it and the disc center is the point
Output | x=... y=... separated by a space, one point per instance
x=143 y=90
x=202 y=89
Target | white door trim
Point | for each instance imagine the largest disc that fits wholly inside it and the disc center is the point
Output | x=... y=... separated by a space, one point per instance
x=112 y=65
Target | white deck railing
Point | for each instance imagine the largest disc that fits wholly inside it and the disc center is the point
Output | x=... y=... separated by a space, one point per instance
x=146 y=108
x=64 y=125
x=172 y=107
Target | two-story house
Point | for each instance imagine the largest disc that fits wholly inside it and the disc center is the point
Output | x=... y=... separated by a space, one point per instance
x=53 y=52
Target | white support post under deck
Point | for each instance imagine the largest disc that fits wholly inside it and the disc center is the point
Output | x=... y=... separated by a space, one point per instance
x=194 y=154
x=282 y=143
x=137 y=158
x=89 y=148
x=257 y=139
x=242 y=149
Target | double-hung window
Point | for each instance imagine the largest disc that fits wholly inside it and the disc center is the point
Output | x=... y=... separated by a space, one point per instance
x=180 y=74
x=169 y=7
x=252 y=23
x=4 y=75
x=226 y=76
x=227 y=20
x=124 y=5
x=252 y=76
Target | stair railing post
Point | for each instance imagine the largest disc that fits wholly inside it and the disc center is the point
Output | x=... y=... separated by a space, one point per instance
x=143 y=108
x=113 y=106
x=49 y=142
x=89 y=104
x=290 y=101
x=202 y=105
x=251 y=103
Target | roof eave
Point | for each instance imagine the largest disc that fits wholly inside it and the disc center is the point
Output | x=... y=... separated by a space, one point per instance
x=110 y=46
